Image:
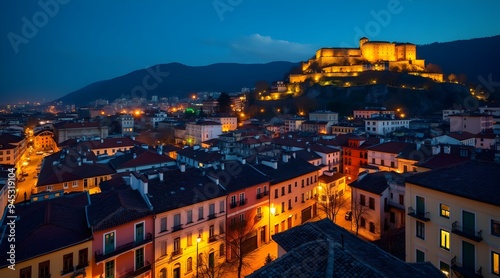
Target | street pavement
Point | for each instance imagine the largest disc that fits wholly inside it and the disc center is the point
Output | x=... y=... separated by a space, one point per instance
x=29 y=181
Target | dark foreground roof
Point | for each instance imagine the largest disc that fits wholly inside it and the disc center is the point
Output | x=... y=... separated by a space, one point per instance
x=323 y=249
x=44 y=226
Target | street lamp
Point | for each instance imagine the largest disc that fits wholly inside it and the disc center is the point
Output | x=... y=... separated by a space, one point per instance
x=272 y=210
x=198 y=239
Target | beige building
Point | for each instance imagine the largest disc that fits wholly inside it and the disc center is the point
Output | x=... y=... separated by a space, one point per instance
x=470 y=122
x=64 y=131
x=454 y=219
x=12 y=150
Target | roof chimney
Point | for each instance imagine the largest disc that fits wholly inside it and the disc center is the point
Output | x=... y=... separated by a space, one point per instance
x=160 y=174
x=182 y=167
x=285 y=158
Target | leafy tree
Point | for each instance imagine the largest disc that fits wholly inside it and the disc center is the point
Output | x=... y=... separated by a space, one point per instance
x=224 y=103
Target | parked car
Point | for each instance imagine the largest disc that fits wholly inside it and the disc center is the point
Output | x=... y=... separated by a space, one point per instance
x=348 y=215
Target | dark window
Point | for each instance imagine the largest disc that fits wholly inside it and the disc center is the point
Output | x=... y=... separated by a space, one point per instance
x=290 y=188
x=362 y=200
x=392 y=217
x=495 y=227
x=402 y=199
x=421 y=230
x=68 y=262
x=275 y=193
x=25 y=272
x=372 y=227
x=420 y=256
x=44 y=269
x=83 y=257
x=371 y=203
x=362 y=222
x=282 y=190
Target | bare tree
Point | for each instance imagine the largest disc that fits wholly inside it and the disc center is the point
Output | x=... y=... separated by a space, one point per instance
x=331 y=202
x=212 y=267
x=358 y=209
x=236 y=236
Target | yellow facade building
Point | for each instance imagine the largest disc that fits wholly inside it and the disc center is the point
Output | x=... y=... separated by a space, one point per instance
x=454 y=219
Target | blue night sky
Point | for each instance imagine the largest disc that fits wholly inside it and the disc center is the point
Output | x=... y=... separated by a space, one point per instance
x=79 y=42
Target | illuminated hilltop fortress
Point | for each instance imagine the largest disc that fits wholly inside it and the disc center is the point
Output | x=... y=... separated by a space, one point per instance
x=371 y=55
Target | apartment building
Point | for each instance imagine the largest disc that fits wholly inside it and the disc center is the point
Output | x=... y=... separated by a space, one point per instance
x=454 y=219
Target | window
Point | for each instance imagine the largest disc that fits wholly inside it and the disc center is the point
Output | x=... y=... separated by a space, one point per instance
x=163 y=248
x=421 y=230
x=372 y=227
x=371 y=203
x=495 y=227
x=25 y=272
x=177 y=245
x=75 y=183
x=276 y=193
x=495 y=263
x=189 y=264
x=282 y=206
x=211 y=210
x=242 y=218
x=282 y=190
x=362 y=200
x=290 y=188
x=163 y=273
x=222 y=250
x=44 y=269
x=222 y=227
x=242 y=199
x=109 y=243
x=211 y=231
x=68 y=263
x=362 y=222
x=222 y=207
x=189 y=239
x=392 y=217
x=233 y=200
x=200 y=213
x=65 y=185
x=420 y=256
x=189 y=216
x=445 y=268
x=109 y=269
x=402 y=199
x=444 y=210
x=445 y=240
x=139 y=258
x=177 y=222
x=83 y=258
x=163 y=224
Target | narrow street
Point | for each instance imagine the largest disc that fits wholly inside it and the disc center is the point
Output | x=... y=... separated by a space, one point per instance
x=29 y=181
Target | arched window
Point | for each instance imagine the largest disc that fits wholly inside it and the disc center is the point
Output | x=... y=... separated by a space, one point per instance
x=163 y=273
x=189 y=264
x=200 y=259
x=177 y=271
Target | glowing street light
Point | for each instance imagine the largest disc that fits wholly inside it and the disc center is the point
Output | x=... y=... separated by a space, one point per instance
x=198 y=239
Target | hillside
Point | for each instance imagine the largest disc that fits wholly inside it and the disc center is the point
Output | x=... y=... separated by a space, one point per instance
x=176 y=79
x=475 y=58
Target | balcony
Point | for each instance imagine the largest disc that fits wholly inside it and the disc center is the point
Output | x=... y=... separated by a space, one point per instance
x=212 y=216
x=464 y=271
x=243 y=201
x=260 y=195
x=99 y=256
x=424 y=216
x=258 y=216
x=78 y=268
x=177 y=228
x=467 y=233
x=134 y=273
x=176 y=253
x=212 y=238
x=233 y=205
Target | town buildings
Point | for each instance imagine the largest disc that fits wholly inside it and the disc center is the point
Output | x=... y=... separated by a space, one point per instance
x=471 y=122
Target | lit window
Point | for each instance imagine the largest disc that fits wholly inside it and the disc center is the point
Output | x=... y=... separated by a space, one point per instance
x=495 y=263
x=445 y=240
x=444 y=211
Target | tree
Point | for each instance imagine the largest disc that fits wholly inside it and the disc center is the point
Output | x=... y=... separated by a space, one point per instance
x=211 y=267
x=452 y=77
x=433 y=68
x=462 y=78
x=331 y=203
x=236 y=236
x=224 y=103
x=358 y=209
